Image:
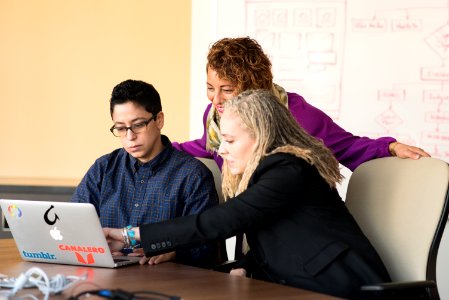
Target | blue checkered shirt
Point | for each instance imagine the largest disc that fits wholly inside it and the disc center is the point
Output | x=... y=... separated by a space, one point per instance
x=125 y=192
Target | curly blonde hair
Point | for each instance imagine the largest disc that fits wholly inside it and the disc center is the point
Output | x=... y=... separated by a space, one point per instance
x=275 y=130
x=242 y=62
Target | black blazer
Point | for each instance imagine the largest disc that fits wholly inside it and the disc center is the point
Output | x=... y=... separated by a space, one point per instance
x=298 y=229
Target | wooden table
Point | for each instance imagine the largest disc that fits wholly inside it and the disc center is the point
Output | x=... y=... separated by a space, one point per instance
x=168 y=278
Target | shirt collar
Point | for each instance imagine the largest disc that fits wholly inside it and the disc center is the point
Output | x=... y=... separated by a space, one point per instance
x=156 y=162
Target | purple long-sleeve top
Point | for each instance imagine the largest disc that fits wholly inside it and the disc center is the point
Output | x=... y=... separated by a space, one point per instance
x=349 y=149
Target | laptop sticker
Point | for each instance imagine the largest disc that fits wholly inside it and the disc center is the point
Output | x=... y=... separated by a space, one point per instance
x=78 y=251
x=46 y=218
x=55 y=233
x=14 y=211
x=41 y=255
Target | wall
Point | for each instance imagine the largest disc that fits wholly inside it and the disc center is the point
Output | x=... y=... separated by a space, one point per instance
x=59 y=61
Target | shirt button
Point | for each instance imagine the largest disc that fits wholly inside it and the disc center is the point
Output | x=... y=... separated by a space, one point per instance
x=136 y=205
x=142 y=181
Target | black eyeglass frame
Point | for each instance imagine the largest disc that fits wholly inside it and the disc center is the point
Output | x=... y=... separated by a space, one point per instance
x=131 y=127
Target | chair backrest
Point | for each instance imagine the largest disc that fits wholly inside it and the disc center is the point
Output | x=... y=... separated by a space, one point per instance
x=213 y=167
x=402 y=206
x=222 y=254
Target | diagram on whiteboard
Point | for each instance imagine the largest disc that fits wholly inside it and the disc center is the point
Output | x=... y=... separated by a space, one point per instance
x=305 y=41
x=378 y=68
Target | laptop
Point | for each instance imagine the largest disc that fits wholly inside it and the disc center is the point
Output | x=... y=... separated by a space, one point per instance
x=60 y=233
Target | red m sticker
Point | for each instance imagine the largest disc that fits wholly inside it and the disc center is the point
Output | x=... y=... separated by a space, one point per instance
x=90 y=258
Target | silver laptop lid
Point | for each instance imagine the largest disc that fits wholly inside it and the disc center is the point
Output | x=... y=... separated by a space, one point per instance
x=58 y=232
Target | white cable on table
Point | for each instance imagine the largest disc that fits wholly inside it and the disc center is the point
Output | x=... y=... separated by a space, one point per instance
x=36 y=277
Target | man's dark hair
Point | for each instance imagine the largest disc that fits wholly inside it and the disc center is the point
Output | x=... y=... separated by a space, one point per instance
x=136 y=91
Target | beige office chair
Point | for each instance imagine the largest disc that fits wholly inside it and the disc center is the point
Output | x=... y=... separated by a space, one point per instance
x=222 y=256
x=402 y=207
x=212 y=166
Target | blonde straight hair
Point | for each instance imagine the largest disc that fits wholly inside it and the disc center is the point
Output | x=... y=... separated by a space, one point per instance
x=275 y=130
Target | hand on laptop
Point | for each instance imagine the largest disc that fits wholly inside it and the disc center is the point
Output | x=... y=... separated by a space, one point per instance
x=116 y=242
x=115 y=239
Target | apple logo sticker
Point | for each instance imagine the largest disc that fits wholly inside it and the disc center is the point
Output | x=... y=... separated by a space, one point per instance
x=56 y=234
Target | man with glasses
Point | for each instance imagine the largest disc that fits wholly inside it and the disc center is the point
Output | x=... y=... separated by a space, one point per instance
x=147 y=180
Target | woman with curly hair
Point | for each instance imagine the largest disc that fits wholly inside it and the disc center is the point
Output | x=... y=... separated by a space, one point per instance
x=235 y=65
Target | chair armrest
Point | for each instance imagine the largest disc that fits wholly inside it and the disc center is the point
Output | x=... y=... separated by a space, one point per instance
x=425 y=289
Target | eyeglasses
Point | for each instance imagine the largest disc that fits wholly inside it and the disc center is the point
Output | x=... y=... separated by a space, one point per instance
x=121 y=131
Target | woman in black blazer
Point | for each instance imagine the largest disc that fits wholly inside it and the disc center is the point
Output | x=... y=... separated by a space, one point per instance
x=280 y=188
